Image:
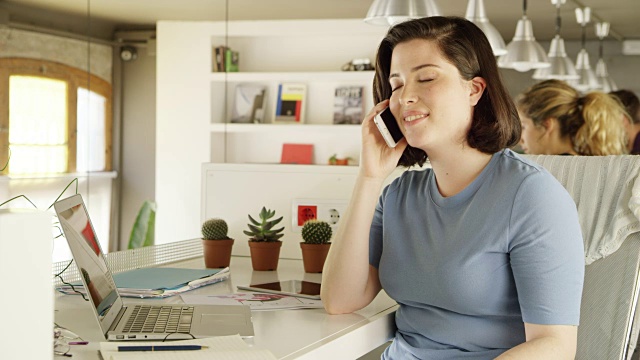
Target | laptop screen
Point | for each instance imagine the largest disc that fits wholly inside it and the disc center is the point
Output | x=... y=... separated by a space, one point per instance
x=84 y=245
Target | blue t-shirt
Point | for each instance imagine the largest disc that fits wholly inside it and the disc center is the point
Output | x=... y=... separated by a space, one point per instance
x=468 y=270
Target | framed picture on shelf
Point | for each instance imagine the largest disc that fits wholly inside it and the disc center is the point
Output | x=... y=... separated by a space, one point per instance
x=249 y=103
x=290 y=103
x=348 y=105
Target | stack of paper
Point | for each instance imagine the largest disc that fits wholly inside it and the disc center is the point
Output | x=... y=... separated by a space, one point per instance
x=156 y=282
x=256 y=301
x=220 y=348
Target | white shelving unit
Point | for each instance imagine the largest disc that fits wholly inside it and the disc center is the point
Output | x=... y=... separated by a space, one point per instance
x=194 y=103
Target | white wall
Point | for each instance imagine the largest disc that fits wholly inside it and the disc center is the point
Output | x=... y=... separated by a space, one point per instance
x=182 y=126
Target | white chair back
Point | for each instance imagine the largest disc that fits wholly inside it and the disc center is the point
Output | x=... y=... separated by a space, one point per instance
x=607 y=195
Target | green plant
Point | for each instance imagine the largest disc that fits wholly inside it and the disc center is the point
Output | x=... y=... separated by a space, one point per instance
x=316 y=232
x=215 y=229
x=263 y=230
x=143 y=232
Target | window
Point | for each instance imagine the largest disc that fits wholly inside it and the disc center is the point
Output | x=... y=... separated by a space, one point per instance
x=58 y=118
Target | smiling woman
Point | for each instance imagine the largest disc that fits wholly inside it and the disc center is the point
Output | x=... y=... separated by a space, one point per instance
x=488 y=243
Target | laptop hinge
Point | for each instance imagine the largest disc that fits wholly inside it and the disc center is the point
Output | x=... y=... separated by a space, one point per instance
x=116 y=321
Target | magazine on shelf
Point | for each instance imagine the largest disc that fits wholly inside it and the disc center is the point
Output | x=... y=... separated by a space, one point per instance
x=290 y=103
x=348 y=105
x=249 y=103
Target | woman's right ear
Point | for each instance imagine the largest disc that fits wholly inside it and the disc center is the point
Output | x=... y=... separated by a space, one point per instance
x=550 y=124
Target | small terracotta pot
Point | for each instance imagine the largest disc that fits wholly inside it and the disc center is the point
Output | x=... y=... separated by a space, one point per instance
x=217 y=253
x=265 y=255
x=313 y=256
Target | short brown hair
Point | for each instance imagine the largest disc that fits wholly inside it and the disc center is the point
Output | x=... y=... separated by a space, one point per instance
x=630 y=102
x=495 y=124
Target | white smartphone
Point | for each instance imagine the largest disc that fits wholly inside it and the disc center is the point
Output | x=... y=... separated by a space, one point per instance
x=298 y=288
x=388 y=126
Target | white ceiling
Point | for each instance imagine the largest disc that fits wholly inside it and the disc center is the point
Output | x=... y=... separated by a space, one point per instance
x=503 y=14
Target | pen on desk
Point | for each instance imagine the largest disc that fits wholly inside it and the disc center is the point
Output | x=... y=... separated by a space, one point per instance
x=161 y=348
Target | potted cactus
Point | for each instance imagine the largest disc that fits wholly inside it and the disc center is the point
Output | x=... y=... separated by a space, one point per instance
x=264 y=241
x=316 y=235
x=216 y=244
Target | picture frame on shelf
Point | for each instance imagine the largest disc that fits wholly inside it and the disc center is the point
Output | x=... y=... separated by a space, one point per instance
x=249 y=104
x=290 y=103
x=348 y=105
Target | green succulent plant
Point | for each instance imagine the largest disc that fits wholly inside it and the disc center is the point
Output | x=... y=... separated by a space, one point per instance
x=215 y=229
x=316 y=232
x=263 y=230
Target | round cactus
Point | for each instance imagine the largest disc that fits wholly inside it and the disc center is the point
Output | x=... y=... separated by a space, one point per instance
x=316 y=232
x=215 y=229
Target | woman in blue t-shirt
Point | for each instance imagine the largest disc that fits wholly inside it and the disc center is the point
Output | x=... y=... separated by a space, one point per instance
x=483 y=250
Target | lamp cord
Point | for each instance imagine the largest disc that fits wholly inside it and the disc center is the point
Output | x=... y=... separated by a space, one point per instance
x=558 y=19
x=524 y=7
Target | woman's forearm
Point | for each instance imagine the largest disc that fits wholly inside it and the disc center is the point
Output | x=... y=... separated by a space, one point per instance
x=346 y=284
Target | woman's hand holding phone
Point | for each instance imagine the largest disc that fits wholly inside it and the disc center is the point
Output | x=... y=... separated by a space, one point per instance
x=379 y=159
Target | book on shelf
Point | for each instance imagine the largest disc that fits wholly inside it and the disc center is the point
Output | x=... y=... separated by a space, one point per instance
x=290 y=103
x=249 y=103
x=157 y=282
x=297 y=154
x=231 y=60
x=225 y=59
x=348 y=105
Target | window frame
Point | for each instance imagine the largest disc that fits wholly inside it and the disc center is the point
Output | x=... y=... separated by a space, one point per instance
x=75 y=78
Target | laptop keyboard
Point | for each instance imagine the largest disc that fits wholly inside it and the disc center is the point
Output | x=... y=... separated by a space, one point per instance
x=159 y=319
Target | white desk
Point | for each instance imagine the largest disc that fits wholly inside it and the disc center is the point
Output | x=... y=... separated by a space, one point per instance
x=288 y=334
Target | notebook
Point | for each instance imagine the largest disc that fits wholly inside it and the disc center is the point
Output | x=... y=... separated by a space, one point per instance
x=144 y=321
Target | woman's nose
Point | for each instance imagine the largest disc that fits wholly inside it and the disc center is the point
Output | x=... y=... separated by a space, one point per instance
x=408 y=95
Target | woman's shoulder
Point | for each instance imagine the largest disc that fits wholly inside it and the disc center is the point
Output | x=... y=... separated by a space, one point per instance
x=534 y=179
x=526 y=173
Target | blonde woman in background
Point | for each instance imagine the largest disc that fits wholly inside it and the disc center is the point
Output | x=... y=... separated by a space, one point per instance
x=557 y=120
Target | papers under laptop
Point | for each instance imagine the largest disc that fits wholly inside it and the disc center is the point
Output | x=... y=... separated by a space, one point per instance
x=145 y=321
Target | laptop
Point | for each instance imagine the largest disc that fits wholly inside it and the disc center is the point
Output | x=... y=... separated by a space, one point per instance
x=144 y=321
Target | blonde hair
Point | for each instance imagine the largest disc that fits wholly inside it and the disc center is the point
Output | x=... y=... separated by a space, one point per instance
x=592 y=122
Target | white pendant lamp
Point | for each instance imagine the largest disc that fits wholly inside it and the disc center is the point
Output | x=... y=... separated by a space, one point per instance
x=390 y=12
x=476 y=14
x=602 y=74
x=562 y=67
x=587 y=80
x=523 y=52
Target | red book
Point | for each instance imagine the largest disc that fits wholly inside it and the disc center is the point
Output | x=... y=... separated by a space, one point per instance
x=297 y=154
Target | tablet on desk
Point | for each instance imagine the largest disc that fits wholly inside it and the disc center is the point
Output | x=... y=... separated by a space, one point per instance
x=299 y=288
